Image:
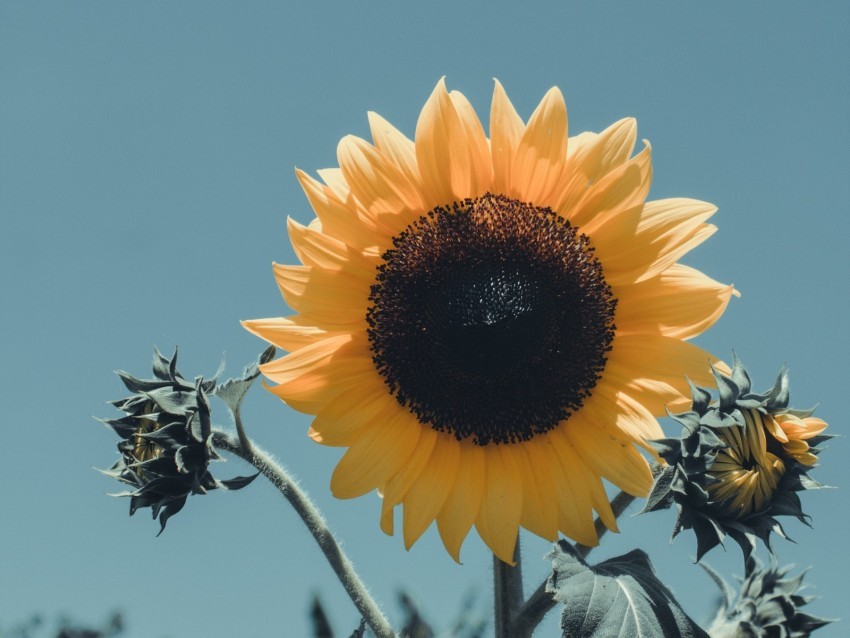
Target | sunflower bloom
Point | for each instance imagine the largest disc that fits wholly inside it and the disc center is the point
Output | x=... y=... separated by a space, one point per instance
x=490 y=326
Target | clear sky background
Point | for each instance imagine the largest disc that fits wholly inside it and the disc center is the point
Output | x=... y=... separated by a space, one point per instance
x=146 y=172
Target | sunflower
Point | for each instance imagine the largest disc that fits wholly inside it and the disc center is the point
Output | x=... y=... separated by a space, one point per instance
x=739 y=463
x=490 y=326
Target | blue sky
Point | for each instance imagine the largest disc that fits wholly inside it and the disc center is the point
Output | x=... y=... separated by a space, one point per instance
x=146 y=172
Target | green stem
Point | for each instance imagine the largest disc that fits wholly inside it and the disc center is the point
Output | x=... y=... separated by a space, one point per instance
x=315 y=522
x=507 y=592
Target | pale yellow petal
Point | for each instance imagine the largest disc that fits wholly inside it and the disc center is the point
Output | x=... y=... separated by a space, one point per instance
x=354 y=409
x=397 y=487
x=679 y=302
x=449 y=171
x=573 y=493
x=653 y=369
x=307 y=359
x=506 y=128
x=463 y=504
x=377 y=184
x=614 y=407
x=612 y=458
x=289 y=333
x=477 y=145
x=647 y=240
x=396 y=147
x=541 y=152
x=429 y=491
x=329 y=296
x=339 y=219
x=591 y=157
x=336 y=182
x=501 y=507
x=309 y=385
x=619 y=190
x=536 y=458
x=317 y=249
x=379 y=452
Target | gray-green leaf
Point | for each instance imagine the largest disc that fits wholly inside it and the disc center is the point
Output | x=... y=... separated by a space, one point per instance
x=233 y=391
x=618 y=598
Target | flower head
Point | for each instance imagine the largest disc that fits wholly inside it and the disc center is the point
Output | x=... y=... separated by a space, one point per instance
x=768 y=604
x=738 y=464
x=490 y=326
x=166 y=440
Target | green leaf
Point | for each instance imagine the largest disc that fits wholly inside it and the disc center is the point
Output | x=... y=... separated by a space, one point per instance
x=618 y=598
x=233 y=391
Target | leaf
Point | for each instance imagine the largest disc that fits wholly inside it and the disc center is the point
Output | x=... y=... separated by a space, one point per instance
x=620 y=597
x=238 y=482
x=360 y=632
x=233 y=391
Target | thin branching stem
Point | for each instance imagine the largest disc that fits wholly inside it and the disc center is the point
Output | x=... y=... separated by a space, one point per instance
x=507 y=592
x=541 y=602
x=314 y=521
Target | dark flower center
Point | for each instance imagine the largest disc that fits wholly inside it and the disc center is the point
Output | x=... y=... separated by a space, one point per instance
x=491 y=319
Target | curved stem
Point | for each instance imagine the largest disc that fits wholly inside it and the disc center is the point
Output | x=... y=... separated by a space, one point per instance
x=541 y=602
x=308 y=512
x=507 y=592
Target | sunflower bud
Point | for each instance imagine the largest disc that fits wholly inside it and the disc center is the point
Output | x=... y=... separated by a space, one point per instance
x=166 y=440
x=768 y=604
x=738 y=464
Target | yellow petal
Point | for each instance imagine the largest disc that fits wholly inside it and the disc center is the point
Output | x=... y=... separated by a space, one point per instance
x=448 y=168
x=505 y=131
x=317 y=249
x=332 y=297
x=395 y=147
x=398 y=486
x=611 y=458
x=590 y=158
x=306 y=359
x=336 y=182
x=339 y=219
x=572 y=478
x=464 y=502
x=377 y=184
x=289 y=333
x=616 y=409
x=645 y=241
x=477 y=145
x=652 y=369
x=541 y=152
x=623 y=188
x=536 y=459
x=341 y=421
x=679 y=302
x=313 y=388
x=501 y=507
x=379 y=452
x=429 y=492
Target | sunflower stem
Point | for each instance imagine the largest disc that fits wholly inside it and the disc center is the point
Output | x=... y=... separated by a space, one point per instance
x=507 y=592
x=541 y=602
x=315 y=522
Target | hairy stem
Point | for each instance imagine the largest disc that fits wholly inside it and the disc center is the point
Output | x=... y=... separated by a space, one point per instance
x=507 y=592
x=314 y=521
x=541 y=602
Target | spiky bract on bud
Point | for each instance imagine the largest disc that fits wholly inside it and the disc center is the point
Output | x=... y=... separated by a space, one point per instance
x=739 y=462
x=768 y=604
x=166 y=440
